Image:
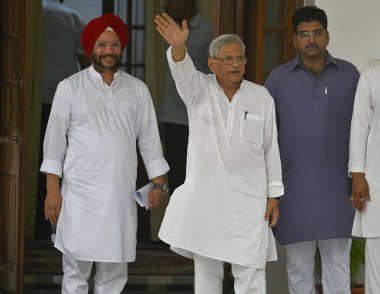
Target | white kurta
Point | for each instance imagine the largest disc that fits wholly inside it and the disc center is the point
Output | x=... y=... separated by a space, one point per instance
x=233 y=165
x=365 y=149
x=91 y=142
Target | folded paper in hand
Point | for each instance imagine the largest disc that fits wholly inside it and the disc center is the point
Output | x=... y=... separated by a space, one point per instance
x=142 y=195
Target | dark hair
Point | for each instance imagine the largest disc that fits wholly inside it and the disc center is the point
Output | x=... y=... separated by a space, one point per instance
x=308 y=14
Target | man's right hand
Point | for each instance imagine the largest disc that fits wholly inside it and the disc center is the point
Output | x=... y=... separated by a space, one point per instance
x=53 y=200
x=360 y=191
x=175 y=35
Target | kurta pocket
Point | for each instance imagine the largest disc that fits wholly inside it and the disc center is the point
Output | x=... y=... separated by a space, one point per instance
x=251 y=128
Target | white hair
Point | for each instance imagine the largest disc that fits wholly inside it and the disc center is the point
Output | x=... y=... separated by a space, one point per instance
x=224 y=40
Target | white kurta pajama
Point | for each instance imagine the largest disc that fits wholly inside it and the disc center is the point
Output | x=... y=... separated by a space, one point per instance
x=365 y=158
x=365 y=149
x=233 y=165
x=98 y=162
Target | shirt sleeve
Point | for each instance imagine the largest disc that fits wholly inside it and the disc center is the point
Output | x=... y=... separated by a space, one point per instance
x=149 y=139
x=55 y=141
x=360 y=125
x=272 y=154
x=186 y=77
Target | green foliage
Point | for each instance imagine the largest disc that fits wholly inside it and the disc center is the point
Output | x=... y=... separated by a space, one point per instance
x=357 y=255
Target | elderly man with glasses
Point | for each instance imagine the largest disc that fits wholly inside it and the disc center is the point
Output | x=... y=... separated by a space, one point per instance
x=225 y=209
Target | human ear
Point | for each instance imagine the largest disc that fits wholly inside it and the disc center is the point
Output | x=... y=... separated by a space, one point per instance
x=211 y=64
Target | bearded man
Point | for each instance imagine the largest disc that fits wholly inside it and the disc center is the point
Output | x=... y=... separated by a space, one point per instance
x=97 y=117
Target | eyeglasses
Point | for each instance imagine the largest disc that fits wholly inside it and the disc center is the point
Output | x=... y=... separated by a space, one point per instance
x=306 y=34
x=114 y=45
x=230 y=60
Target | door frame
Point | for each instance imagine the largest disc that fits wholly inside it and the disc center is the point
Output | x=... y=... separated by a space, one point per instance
x=246 y=18
x=20 y=57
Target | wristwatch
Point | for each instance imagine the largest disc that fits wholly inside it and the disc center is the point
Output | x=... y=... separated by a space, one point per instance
x=162 y=187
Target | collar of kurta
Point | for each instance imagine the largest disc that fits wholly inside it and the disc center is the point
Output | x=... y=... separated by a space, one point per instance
x=213 y=76
x=329 y=60
x=98 y=76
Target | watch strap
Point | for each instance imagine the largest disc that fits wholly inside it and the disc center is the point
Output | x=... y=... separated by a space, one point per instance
x=162 y=187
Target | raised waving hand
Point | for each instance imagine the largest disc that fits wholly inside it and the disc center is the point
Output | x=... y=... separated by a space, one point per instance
x=174 y=34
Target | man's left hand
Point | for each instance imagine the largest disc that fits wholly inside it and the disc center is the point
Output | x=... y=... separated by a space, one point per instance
x=155 y=198
x=272 y=214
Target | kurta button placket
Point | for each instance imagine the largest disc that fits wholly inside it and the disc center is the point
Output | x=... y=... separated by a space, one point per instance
x=230 y=121
x=111 y=110
x=231 y=115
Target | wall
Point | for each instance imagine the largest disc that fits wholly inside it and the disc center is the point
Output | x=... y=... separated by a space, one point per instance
x=354 y=30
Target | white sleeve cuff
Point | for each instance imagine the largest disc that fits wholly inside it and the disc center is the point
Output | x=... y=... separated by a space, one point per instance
x=275 y=189
x=356 y=169
x=51 y=167
x=157 y=168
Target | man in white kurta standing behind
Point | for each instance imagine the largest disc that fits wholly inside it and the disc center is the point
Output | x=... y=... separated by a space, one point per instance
x=97 y=116
x=364 y=168
x=225 y=209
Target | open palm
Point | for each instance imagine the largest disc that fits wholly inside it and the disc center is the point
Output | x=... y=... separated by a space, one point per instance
x=174 y=34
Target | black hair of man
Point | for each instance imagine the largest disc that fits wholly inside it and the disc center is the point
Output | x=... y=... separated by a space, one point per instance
x=309 y=14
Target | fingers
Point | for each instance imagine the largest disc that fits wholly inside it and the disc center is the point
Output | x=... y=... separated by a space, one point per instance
x=272 y=213
x=155 y=198
x=358 y=201
x=52 y=206
x=155 y=203
x=360 y=191
x=273 y=218
x=163 y=22
x=52 y=214
x=160 y=27
x=184 y=25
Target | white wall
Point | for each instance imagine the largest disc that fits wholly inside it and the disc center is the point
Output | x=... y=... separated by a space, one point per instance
x=354 y=27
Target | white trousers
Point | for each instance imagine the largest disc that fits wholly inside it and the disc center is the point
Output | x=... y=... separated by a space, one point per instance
x=110 y=277
x=209 y=277
x=335 y=258
x=372 y=266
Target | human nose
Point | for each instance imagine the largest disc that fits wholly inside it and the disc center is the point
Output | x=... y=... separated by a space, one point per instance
x=109 y=49
x=311 y=35
x=235 y=60
x=238 y=61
